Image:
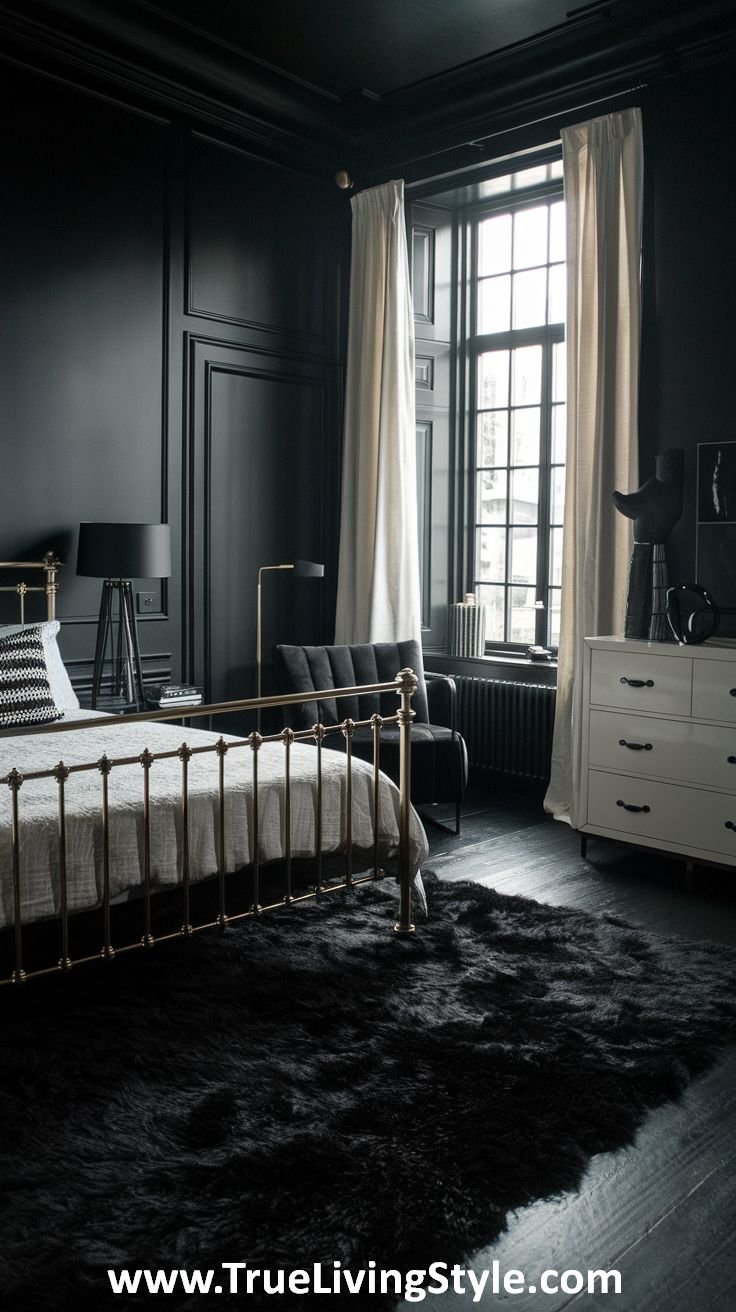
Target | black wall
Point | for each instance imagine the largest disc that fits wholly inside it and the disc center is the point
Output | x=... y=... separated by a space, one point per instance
x=171 y=311
x=688 y=381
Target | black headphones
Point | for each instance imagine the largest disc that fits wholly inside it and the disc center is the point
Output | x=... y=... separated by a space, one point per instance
x=692 y=613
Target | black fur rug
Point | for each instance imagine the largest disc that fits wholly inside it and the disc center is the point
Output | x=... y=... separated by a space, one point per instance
x=315 y=1088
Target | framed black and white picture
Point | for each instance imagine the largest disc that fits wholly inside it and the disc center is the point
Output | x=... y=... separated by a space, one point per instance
x=715 y=560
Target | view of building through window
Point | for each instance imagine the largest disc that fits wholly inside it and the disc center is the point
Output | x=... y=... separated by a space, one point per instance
x=517 y=353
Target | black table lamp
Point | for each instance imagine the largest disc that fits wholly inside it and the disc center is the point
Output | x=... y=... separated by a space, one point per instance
x=118 y=553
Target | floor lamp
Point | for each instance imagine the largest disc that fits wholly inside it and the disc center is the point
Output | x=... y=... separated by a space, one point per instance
x=118 y=553
x=302 y=569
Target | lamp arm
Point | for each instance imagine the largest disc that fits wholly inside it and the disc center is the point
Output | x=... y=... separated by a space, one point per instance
x=258 y=636
x=263 y=569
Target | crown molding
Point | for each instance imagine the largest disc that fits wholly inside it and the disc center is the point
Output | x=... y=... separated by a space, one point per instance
x=547 y=78
x=281 y=117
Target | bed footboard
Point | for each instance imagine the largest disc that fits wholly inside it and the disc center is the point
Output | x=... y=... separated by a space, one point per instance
x=228 y=755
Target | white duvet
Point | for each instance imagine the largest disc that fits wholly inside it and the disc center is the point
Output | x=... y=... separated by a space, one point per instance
x=38 y=808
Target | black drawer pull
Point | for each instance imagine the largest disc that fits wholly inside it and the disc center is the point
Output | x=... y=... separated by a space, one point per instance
x=729 y=825
x=642 y=747
x=731 y=760
x=646 y=809
x=733 y=692
x=644 y=683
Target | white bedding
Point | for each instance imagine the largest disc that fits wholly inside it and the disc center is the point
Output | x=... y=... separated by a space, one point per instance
x=38 y=806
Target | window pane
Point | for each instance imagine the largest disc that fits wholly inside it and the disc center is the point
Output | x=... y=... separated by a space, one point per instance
x=529 y=177
x=557 y=508
x=494 y=304
x=530 y=237
x=559 y=434
x=555 y=557
x=494 y=600
x=553 y=617
x=559 y=372
x=523 y=550
x=526 y=382
x=496 y=186
x=522 y=615
x=557 y=249
x=530 y=298
x=524 y=497
x=557 y=298
x=525 y=436
x=490 y=499
x=494 y=245
x=493 y=438
x=493 y=379
x=490 y=558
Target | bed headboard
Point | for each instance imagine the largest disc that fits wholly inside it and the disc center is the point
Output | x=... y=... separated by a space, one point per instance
x=50 y=566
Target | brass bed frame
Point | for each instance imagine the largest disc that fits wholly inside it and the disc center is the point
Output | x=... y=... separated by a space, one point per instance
x=404 y=685
x=50 y=566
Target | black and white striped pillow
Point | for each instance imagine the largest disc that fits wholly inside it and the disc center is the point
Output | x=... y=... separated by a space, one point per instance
x=25 y=694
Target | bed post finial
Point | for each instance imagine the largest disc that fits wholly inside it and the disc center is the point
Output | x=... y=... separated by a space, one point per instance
x=52 y=565
x=406 y=681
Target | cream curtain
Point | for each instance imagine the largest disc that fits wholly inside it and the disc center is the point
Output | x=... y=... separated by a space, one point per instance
x=603 y=164
x=378 y=577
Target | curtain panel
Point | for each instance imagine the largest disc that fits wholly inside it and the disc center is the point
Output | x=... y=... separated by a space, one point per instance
x=378 y=597
x=602 y=169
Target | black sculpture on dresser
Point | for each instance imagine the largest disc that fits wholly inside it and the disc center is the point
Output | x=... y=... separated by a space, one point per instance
x=655 y=509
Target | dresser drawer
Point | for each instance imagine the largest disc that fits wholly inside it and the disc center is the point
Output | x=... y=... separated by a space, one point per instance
x=671 y=749
x=670 y=813
x=713 y=682
x=639 y=682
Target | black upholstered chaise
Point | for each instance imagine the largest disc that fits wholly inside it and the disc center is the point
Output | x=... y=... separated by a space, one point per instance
x=439 y=761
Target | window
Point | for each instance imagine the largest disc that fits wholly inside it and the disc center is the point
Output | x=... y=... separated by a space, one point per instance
x=516 y=368
x=489 y=287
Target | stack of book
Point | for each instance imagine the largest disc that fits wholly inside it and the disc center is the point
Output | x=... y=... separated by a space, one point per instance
x=170 y=696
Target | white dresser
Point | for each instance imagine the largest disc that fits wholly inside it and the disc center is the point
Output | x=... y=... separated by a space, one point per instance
x=659 y=746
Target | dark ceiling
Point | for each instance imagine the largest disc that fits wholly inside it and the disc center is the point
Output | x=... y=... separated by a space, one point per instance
x=341 y=46
x=372 y=84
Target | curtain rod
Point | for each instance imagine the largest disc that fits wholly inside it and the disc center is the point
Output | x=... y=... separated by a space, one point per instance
x=346 y=182
x=479 y=142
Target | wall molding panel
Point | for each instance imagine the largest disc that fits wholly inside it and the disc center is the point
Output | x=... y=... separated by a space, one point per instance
x=252 y=260
x=262 y=490
x=424 y=372
x=85 y=371
x=120 y=406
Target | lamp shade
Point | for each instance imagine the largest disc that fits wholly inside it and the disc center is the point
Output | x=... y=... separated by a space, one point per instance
x=308 y=569
x=124 y=551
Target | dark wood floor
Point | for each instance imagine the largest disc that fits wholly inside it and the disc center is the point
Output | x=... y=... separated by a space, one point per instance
x=662 y=1212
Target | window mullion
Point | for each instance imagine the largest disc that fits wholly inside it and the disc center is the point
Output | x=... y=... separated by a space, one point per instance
x=545 y=495
x=470 y=321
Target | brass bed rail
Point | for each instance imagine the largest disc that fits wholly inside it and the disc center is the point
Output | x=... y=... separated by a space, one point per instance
x=50 y=564
x=404 y=685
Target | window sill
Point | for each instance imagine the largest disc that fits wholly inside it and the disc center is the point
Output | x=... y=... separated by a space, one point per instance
x=509 y=666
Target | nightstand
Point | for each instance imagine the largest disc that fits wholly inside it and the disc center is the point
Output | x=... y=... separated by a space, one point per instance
x=110 y=705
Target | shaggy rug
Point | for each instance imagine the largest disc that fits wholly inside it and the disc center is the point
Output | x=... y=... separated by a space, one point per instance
x=313 y=1088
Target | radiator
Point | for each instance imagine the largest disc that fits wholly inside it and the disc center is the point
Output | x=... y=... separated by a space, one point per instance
x=507 y=725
